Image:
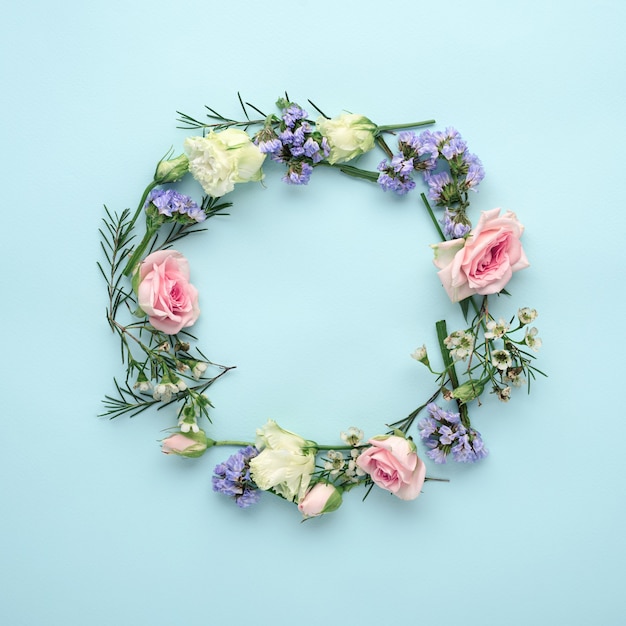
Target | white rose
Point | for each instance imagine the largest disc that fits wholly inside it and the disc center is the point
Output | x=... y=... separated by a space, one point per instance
x=285 y=463
x=349 y=135
x=220 y=160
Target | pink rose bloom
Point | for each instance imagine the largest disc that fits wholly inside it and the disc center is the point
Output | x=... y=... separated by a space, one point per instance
x=165 y=294
x=321 y=498
x=392 y=463
x=485 y=261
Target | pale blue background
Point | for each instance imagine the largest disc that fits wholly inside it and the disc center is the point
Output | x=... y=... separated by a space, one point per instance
x=318 y=295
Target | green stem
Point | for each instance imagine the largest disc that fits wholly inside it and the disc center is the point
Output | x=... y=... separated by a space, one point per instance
x=139 y=250
x=474 y=306
x=144 y=197
x=391 y=127
x=142 y=246
x=232 y=442
x=432 y=216
x=355 y=172
x=407 y=422
x=442 y=333
x=455 y=181
x=382 y=144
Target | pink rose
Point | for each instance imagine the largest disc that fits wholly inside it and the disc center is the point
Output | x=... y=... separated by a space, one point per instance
x=392 y=463
x=485 y=261
x=165 y=294
x=321 y=498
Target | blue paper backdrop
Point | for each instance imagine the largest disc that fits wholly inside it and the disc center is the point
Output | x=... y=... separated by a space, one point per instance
x=318 y=295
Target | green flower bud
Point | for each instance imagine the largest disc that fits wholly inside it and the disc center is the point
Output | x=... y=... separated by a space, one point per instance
x=469 y=390
x=171 y=170
x=349 y=135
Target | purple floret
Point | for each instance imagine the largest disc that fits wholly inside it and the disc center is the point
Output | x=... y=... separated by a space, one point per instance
x=232 y=478
x=443 y=433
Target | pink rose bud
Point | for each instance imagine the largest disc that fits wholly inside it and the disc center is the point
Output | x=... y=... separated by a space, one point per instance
x=321 y=498
x=392 y=463
x=164 y=292
x=189 y=444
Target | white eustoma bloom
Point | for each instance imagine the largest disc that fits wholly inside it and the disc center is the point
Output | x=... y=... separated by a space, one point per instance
x=220 y=160
x=285 y=462
x=349 y=135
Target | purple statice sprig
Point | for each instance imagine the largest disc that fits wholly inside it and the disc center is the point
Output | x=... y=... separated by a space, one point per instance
x=455 y=225
x=293 y=142
x=442 y=157
x=396 y=176
x=457 y=170
x=443 y=433
x=174 y=205
x=232 y=478
x=416 y=153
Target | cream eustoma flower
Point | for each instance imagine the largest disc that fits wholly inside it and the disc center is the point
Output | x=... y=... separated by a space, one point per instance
x=349 y=135
x=220 y=160
x=285 y=463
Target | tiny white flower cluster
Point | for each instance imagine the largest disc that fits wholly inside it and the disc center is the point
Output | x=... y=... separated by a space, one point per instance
x=168 y=386
x=531 y=339
x=335 y=462
x=526 y=315
x=501 y=359
x=513 y=376
x=353 y=436
x=354 y=472
x=143 y=386
x=495 y=330
x=198 y=369
x=188 y=416
x=419 y=354
x=504 y=394
x=186 y=427
x=460 y=344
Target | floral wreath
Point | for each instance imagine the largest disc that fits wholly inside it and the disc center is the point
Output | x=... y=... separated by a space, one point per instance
x=152 y=303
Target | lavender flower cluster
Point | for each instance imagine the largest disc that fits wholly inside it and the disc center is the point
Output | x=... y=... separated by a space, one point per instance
x=448 y=168
x=296 y=144
x=232 y=478
x=170 y=203
x=443 y=433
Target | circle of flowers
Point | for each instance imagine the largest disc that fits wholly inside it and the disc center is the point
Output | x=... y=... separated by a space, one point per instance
x=151 y=281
